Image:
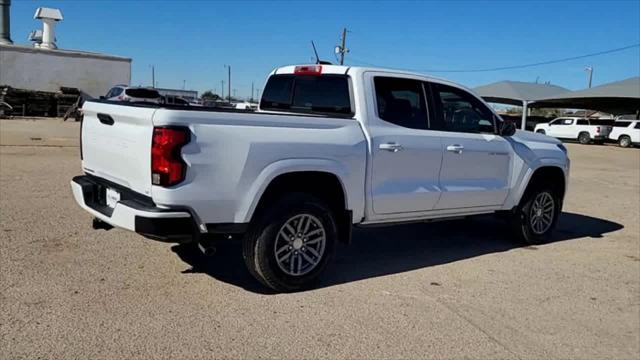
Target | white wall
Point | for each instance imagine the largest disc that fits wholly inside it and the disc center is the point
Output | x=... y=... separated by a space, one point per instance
x=46 y=70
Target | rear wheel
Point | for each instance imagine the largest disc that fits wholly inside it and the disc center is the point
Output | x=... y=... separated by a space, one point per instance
x=291 y=242
x=537 y=214
x=541 y=132
x=584 y=138
x=624 y=141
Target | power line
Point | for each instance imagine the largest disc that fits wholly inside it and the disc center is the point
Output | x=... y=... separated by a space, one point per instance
x=520 y=66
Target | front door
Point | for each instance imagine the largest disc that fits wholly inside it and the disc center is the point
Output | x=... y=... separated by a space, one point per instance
x=476 y=161
x=405 y=156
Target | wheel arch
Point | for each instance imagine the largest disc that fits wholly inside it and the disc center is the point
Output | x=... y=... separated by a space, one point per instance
x=551 y=174
x=321 y=178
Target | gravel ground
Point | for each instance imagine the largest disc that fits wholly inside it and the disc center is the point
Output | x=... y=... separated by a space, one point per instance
x=458 y=289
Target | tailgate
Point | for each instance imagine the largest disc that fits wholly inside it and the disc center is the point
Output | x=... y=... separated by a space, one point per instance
x=116 y=144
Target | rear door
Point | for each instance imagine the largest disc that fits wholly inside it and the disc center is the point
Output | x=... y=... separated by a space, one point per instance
x=476 y=162
x=405 y=155
x=116 y=144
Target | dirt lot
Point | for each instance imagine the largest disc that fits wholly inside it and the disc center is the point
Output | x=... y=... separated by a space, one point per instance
x=444 y=290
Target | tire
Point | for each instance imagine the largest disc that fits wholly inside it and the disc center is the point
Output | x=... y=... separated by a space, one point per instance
x=528 y=222
x=270 y=236
x=624 y=141
x=584 y=138
x=542 y=132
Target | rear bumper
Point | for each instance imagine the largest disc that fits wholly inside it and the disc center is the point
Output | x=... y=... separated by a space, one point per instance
x=134 y=212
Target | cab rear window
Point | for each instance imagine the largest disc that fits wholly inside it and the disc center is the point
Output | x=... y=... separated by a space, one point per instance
x=142 y=93
x=324 y=94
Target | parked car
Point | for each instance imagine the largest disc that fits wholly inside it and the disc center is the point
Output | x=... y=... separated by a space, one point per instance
x=626 y=132
x=133 y=94
x=331 y=147
x=175 y=100
x=581 y=129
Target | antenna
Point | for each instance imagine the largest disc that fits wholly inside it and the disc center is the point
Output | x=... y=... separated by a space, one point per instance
x=315 y=52
x=318 y=61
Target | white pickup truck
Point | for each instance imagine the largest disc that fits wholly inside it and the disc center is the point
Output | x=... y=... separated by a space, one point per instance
x=574 y=128
x=331 y=147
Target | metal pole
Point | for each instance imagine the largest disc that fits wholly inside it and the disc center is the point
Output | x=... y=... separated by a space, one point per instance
x=251 y=91
x=525 y=106
x=342 y=45
x=153 y=76
x=222 y=89
x=590 y=70
x=229 y=82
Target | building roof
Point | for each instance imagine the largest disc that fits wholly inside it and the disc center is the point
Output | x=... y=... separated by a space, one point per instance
x=61 y=52
x=515 y=92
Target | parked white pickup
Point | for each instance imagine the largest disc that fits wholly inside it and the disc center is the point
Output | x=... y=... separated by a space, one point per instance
x=330 y=147
x=626 y=132
x=583 y=130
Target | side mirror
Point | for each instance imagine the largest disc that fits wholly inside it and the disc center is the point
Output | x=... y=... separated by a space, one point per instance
x=507 y=128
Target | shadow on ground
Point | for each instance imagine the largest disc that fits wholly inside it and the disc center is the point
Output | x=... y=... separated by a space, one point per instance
x=389 y=250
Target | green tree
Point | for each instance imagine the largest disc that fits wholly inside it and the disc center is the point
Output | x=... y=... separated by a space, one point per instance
x=209 y=95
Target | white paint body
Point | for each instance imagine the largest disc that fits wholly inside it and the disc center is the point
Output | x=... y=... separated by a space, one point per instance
x=569 y=128
x=632 y=131
x=233 y=157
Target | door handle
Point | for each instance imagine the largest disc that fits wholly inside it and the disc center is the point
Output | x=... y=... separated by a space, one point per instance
x=393 y=147
x=455 y=148
x=105 y=119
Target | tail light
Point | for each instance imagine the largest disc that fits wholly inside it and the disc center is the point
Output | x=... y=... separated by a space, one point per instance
x=167 y=166
x=597 y=129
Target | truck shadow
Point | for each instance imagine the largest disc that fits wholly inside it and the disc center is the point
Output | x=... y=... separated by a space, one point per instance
x=390 y=250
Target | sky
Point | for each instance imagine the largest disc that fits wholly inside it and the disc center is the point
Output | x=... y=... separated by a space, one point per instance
x=189 y=42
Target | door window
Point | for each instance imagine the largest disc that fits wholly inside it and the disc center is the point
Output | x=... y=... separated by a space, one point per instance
x=637 y=125
x=401 y=102
x=623 y=124
x=583 y=122
x=462 y=112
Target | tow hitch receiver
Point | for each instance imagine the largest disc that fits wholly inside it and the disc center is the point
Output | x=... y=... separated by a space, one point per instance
x=99 y=224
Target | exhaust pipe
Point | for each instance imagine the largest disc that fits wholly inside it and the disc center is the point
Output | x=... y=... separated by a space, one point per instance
x=208 y=248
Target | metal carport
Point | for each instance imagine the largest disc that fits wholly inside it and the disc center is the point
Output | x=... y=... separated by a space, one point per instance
x=519 y=93
x=616 y=98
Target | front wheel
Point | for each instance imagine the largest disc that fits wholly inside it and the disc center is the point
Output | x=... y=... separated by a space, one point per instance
x=624 y=141
x=291 y=242
x=536 y=216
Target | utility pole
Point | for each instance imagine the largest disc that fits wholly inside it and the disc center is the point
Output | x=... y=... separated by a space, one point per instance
x=184 y=84
x=590 y=70
x=251 y=100
x=258 y=94
x=222 y=89
x=153 y=76
x=229 y=82
x=234 y=92
x=342 y=49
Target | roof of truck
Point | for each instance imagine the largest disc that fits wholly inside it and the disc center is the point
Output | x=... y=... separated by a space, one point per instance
x=352 y=70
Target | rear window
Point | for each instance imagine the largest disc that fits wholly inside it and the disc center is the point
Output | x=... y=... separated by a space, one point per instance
x=324 y=94
x=142 y=93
